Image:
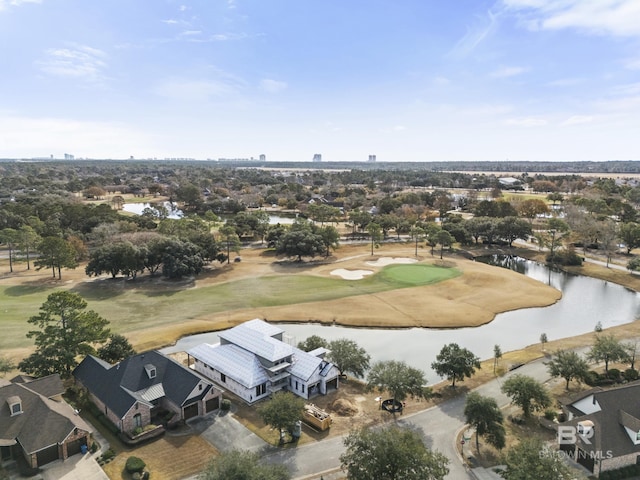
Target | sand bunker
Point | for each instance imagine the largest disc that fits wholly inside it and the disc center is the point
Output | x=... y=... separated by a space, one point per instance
x=351 y=274
x=384 y=261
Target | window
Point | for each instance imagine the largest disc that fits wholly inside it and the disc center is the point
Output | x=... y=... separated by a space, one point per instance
x=200 y=386
x=16 y=408
x=261 y=389
x=223 y=378
x=303 y=388
x=296 y=384
x=137 y=420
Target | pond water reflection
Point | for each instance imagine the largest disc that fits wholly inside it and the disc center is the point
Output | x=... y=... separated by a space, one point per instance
x=585 y=302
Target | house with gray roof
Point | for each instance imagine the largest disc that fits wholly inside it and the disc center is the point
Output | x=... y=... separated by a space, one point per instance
x=37 y=425
x=135 y=391
x=602 y=431
x=253 y=361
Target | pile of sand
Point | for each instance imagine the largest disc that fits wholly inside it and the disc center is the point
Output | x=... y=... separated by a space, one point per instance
x=384 y=261
x=350 y=274
x=343 y=408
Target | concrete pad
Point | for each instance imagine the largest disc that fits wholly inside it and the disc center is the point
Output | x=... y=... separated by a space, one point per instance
x=77 y=467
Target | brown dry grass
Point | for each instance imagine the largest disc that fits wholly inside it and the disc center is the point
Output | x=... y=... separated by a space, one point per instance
x=471 y=299
x=168 y=458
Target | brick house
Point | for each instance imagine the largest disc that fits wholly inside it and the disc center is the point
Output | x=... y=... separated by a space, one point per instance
x=132 y=392
x=36 y=424
x=602 y=431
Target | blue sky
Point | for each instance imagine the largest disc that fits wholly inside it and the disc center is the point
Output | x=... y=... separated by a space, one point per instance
x=406 y=80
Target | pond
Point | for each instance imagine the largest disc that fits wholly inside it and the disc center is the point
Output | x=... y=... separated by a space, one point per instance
x=175 y=212
x=585 y=302
x=138 y=208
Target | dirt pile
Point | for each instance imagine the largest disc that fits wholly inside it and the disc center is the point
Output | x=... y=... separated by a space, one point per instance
x=343 y=408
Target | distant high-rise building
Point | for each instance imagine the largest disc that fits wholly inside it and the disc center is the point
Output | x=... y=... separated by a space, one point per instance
x=372 y=158
x=263 y=157
x=68 y=156
x=317 y=157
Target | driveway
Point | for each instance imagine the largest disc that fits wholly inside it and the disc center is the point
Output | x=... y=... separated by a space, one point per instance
x=77 y=467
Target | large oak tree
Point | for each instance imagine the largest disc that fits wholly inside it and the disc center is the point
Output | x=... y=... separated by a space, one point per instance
x=391 y=454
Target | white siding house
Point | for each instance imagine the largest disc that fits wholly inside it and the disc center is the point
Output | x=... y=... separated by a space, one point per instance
x=252 y=361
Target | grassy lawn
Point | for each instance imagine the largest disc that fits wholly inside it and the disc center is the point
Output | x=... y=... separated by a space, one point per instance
x=415 y=275
x=168 y=458
x=133 y=305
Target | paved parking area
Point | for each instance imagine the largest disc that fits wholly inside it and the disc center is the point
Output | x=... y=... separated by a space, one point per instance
x=78 y=467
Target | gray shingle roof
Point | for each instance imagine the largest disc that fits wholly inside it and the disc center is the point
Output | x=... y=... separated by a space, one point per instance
x=117 y=385
x=48 y=386
x=619 y=409
x=43 y=422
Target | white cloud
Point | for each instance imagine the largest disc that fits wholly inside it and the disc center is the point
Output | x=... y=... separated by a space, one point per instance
x=185 y=90
x=476 y=34
x=527 y=122
x=577 y=120
x=505 y=72
x=632 y=64
x=5 y=4
x=627 y=89
x=441 y=81
x=81 y=61
x=170 y=21
x=26 y=137
x=272 y=86
x=565 y=82
x=610 y=17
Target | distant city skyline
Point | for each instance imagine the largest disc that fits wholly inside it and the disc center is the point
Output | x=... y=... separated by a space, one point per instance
x=409 y=80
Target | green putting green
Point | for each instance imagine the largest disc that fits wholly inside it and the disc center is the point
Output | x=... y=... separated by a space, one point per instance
x=417 y=274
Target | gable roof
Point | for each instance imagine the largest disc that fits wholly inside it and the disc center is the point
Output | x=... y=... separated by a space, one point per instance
x=256 y=336
x=619 y=411
x=42 y=423
x=235 y=362
x=120 y=386
x=48 y=386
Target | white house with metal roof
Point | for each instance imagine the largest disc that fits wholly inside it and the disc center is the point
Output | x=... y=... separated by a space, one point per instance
x=253 y=361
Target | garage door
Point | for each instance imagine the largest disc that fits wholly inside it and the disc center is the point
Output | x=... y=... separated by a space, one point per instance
x=191 y=411
x=47 y=455
x=74 y=447
x=212 y=404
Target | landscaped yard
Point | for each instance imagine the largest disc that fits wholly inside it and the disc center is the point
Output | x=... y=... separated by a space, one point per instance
x=167 y=458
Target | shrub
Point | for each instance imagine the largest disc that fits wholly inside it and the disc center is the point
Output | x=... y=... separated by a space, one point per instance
x=134 y=464
x=592 y=378
x=613 y=374
x=565 y=257
x=631 y=374
x=550 y=414
x=109 y=454
x=137 y=431
x=225 y=405
x=94 y=447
